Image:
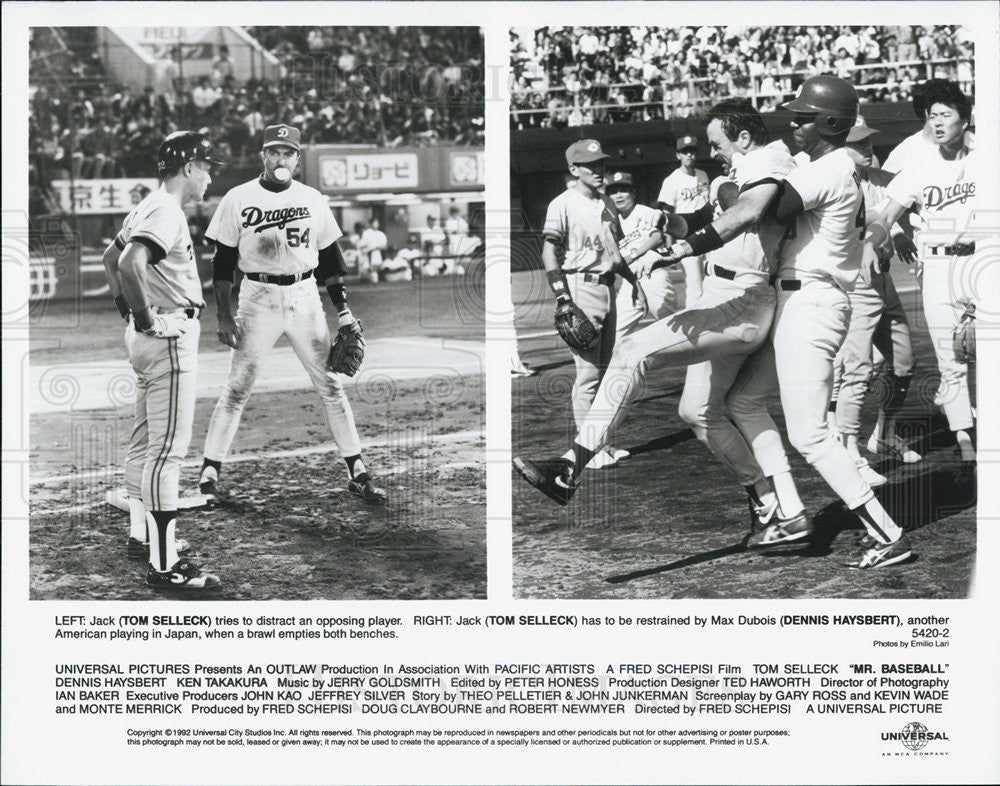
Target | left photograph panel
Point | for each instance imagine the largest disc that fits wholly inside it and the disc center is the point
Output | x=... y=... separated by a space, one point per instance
x=257 y=313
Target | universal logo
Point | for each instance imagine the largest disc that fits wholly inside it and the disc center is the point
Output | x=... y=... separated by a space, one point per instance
x=914 y=738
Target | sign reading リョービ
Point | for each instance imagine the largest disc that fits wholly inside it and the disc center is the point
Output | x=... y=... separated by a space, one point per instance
x=380 y=170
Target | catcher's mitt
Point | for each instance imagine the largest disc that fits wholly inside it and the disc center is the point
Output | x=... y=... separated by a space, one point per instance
x=574 y=326
x=963 y=338
x=347 y=351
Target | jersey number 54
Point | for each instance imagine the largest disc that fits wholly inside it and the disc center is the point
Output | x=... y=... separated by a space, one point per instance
x=296 y=237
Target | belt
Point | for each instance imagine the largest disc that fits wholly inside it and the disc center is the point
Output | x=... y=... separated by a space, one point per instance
x=193 y=312
x=280 y=280
x=723 y=272
x=790 y=284
x=957 y=250
x=593 y=278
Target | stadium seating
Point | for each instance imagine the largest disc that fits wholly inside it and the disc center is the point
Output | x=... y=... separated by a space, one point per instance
x=376 y=86
x=584 y=76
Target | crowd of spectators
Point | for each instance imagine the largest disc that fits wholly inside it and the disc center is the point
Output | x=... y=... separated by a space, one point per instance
x=382 y=86
x=569 y=76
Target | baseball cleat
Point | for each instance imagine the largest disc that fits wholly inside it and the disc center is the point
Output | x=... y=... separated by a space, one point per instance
x=366 y=489
x=760 y=515
x=783 y=531
x=136 y=549
x=553 y=479
x=183 y=576
x=894 y=446
x=209 y=480
x=870 y=476
x=879 y=555
x=520 y=370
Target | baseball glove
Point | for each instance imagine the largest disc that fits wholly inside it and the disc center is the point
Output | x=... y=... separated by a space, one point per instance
x=963 y=338
x=347 y=351
x=574 y=327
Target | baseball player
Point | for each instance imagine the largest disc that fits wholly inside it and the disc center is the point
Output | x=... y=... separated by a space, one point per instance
x=941 y=187
x=877 y=320
x=730 y=322
x=580 y=255
x=280 y=233
x=155 y=280
x=686 y=190
x=819 y=261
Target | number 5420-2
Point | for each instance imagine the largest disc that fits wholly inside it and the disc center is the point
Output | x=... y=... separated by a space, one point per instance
x=296 y=237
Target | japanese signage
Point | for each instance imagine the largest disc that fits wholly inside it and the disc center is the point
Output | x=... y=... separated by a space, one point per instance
x=466 y=168
x=388 y=170
x=92 y=197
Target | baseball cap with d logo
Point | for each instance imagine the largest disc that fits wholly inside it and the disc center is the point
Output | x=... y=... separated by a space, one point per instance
x=585 y=151
x=282 y=135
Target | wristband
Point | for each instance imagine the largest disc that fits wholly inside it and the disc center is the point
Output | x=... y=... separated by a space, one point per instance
x=338 y=295
x=557 y=281
x=122 y=305
x=704 y=240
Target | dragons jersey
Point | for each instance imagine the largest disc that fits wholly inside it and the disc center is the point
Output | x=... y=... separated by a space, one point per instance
x=276 y=232
x=825 y=240
x=638 y=227
x=576 y=222
x=683 y=192
x=756 y=249
x=173 y=281
x=942 y=191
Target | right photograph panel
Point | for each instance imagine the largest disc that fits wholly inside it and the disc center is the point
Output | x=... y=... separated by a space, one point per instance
x=743 y=272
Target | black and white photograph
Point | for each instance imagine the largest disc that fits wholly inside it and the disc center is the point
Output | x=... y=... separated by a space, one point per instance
x=745 y=282
x=256 y=312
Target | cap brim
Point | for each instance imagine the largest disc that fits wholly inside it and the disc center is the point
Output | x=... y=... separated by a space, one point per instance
x=591 y=158
x=798 y=106
x=282 y=143
x=857 y=134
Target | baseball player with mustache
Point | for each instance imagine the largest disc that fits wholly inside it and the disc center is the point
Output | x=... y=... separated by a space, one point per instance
x=728 y=324
x=281 y=234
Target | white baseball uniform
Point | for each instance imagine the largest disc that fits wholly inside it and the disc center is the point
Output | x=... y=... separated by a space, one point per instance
x=278 y=233
x=684 y=193
x=576 y=223
x=637 y=227
x=819 y=262
x=165 y=368
x=877 y=320
x=731 y=321
x=943 y=192
x=742 y=383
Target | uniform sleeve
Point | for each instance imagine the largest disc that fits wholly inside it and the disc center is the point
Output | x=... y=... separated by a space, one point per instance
x=811 y=186
x=160 y=226
x=329 y=229
x=611 y=217
x=769 y=165
x=556 y=226
x=904 y=189
x=668 y=192
x=223 y=227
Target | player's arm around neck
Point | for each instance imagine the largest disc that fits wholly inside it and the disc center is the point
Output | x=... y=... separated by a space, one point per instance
x=746 y=212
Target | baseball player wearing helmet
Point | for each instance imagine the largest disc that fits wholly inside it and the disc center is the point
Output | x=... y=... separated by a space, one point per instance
x=941 y=187
x=819 y=261
x=280 y=233
x=155 y=283
x=730 y=322
x=580 y=254
x=879 y=324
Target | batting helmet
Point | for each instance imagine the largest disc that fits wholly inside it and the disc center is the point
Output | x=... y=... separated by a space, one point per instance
x=183 y=146
x=832 y=99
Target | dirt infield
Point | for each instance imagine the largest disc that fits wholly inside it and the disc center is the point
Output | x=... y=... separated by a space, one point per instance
x=290 y=530
x=670 y=522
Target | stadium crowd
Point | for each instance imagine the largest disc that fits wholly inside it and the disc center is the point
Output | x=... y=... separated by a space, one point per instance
x=385 y=86
x=570 y=76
